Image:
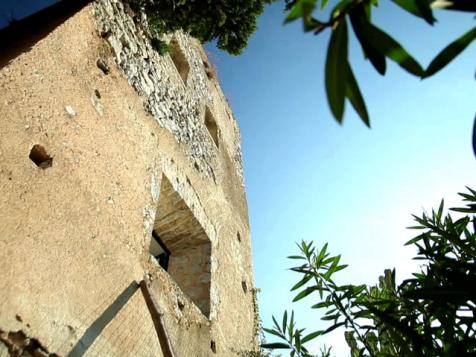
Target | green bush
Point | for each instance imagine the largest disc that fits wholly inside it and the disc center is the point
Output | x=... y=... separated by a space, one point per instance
x=431 y=314
x=228 y=22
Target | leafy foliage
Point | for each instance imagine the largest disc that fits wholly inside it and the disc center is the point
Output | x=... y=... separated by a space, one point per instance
x=431 y=314
x=377 y=45
x=229 y=22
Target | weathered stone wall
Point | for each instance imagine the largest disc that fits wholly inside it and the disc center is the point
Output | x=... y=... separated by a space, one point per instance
x=176 y=105
x=115 y=118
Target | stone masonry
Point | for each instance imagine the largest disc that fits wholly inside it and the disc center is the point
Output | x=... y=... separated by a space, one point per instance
x=102 y=142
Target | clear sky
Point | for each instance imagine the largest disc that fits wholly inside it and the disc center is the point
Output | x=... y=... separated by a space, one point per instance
x=310 y=178
x=18 y=9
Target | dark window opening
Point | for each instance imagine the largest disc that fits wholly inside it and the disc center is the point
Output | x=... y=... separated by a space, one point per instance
x=159 y=251
x=177 y=230
x=179 y=59
x=211 y=125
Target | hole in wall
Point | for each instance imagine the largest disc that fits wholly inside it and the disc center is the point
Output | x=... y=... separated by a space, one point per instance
x=244 y=286
x=238 y=236
x=180 y=304
x=18 y=343
x=211 y=125
x=189 y=247
x=40 y=157
x=103 y=66
x=206 y=66
x=97 y=94
x=159 y=251
x=105 y=34
x=210 y=70
x=213 y=346
x=179 y=59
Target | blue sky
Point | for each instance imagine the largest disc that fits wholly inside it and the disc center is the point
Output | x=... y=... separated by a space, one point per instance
x=309 y=178
x=18 y=9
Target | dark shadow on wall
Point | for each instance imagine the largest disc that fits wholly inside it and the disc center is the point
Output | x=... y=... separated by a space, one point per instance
x=93 y=331
x=22 y=35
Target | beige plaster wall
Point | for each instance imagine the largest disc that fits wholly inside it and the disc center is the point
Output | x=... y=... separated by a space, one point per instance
x=75 y=235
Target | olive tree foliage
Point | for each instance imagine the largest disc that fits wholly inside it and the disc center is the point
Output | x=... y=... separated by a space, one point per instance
x=377 y=45
x=431 y=314
x=228 y=22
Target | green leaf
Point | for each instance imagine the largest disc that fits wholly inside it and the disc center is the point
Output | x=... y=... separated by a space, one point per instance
x=303 y=281
x=285 y=321
x=387 y=46
x=272 y=332
x=311 y=336
x=321 y=305
x=301 y=269
x=414 y=240
x=296 y=257
x=334 y=265
x=354 y=95
x=425 y=10
x=336 y=68
x=466 y=197
x=333 y=327
x=297 y=340
x=359 y=19
x=440 y=210
x=473 y=192
x=312 y=24
x=276 y=345
x=276 y=324
x=342 y=7
x=304 y=293
x=340 y=267
x=350 y=339
x=322 y=254
x=291 y=326
x=418 y=8
x=464 y=210
x=321 y=289
x=368 y=10
x=330 y=317
x=450 y=52
x=302 y=8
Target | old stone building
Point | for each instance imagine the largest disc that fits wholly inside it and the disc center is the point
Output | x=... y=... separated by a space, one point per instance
x=119 y=166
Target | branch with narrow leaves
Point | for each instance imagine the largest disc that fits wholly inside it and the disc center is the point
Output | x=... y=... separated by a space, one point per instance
x=431 y=314
x=377 y=46
x=294 y=341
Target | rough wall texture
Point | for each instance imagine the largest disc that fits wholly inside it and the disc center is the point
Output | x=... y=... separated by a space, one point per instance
x=115 y=119
x=177 y=104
